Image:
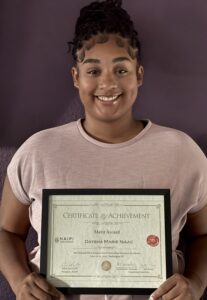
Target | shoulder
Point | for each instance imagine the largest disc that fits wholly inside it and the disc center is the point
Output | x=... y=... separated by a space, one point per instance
x=175 y=137
x=178 y=147
x=48 y=139
x=189 y=162
x=57 y=133
x=44 y=145
x=171 y=134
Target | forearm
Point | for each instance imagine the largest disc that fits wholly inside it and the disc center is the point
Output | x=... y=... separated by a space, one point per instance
x=196 y=262
x=13 y=259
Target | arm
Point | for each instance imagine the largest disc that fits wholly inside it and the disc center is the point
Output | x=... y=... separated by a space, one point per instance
x=196 y=258
x=14 y=225
x=191 y=286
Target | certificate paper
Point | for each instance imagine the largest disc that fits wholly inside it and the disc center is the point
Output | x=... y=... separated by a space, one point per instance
x=106 y=241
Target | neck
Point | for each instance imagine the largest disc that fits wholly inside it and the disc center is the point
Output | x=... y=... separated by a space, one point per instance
x=113 y=132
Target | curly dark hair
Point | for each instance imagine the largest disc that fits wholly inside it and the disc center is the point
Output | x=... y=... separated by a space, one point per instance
x=107 y=17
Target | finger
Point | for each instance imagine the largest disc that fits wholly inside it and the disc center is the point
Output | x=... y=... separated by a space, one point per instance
x=38 y=293
x=62 y=297
x=161 y=291
x=34 y=292
x=172 y=294
x=174 y=287
x=31 y=297
x=164 y=288
x=28 y=290
x=179 y=292
x=26 y=297
x=46 y=286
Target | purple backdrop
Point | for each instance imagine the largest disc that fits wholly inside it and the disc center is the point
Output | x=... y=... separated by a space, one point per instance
x=36 y=89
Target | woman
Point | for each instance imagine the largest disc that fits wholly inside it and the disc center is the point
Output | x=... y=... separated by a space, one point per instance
x=109 y=148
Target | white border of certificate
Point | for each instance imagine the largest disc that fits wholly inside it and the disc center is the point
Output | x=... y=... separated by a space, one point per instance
x=106 y=241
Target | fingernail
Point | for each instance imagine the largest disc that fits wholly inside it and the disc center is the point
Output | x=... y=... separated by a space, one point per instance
x=151 y=297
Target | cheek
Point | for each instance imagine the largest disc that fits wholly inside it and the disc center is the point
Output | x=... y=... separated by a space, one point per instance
x=130 y=82
x=131 y=85
x=86 y=86
x=132 y=90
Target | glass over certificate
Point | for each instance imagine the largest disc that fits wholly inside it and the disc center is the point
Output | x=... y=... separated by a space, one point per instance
x=115 y=241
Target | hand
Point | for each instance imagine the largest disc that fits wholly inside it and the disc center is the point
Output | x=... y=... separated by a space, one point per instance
x=35 y=287
x=177 y=287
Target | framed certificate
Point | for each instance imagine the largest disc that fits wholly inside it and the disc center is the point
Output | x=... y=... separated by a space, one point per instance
x=106 y=241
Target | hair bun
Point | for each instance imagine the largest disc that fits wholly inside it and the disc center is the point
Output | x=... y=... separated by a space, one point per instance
x=115 y=3
x=106 y=16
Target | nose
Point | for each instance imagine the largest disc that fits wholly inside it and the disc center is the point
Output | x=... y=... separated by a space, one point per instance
x=108 y=81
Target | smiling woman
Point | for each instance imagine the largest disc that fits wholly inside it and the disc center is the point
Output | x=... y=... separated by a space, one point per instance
x=108 y=148
x=108 y=79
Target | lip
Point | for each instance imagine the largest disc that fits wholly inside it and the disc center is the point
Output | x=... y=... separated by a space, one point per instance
x=107 y=95
x=104 y=98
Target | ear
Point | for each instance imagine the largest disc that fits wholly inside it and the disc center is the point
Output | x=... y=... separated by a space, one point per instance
x=75 y=75
x=140 y=75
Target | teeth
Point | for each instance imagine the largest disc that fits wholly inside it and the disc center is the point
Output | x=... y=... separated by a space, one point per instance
x=105 y=98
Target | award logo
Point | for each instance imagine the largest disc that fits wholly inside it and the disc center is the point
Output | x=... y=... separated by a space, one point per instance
x=153 y=240
x=64 y=239
x=106 y=265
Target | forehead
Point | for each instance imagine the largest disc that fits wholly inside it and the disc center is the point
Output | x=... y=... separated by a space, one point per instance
x=106 y=46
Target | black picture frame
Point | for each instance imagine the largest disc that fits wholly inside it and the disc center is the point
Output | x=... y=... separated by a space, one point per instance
x=47 y=196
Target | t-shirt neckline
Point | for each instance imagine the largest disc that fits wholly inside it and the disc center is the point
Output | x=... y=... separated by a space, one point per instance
x=86 y=136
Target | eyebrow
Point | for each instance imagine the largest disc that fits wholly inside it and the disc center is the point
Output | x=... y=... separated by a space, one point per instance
x=91 y=61
x=120 y=59
x=97 y=61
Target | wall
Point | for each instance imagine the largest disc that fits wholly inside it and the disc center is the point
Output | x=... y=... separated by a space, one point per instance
x=36 y=90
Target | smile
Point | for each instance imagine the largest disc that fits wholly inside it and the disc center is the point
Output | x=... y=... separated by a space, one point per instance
x=108 y=98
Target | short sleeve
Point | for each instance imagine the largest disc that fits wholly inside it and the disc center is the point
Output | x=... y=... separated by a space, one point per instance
x=20 y=173
x=195 y=169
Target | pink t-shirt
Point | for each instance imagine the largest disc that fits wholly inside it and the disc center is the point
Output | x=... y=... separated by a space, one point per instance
x=67 y=157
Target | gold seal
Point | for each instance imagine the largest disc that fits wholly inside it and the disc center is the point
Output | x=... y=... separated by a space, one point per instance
x=106 y=265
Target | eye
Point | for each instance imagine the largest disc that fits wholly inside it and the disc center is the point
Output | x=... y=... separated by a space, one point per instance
x=121 y=71
x=93 y=72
